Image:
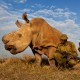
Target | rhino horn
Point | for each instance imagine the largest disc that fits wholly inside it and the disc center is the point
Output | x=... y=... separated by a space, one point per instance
x=24 y=16
x=19 y=24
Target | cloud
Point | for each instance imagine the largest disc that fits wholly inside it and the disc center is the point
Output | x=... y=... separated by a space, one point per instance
x=59 y=14
x=3 y=12
x=7 y=18
x=21 y=1
x=66 y=26
x=4 y=5
x=68 y=23
x=64 y=12
x=9 y=27
x=39 y=6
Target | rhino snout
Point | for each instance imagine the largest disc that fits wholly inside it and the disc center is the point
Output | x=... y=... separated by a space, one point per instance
x=10 y=47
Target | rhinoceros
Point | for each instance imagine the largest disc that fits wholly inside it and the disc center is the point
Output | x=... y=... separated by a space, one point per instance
x=37 y=34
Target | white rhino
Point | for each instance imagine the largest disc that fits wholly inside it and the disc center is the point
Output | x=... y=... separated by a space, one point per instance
x=37 y=34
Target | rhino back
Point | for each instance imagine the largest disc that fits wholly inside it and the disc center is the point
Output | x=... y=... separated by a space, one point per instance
x=47 y=35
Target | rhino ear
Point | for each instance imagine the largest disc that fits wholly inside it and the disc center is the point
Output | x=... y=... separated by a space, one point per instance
x=19 y=24
x=24 y=16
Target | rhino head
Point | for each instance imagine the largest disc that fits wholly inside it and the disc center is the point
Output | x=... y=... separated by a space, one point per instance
x=18 y=41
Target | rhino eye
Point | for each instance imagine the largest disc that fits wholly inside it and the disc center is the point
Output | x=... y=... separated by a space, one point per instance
x=20 y=35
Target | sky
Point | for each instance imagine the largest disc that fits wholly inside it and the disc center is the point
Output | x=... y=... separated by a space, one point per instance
x=61 y=14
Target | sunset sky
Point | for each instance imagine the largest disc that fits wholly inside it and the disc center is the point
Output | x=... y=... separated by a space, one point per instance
x=64 y=15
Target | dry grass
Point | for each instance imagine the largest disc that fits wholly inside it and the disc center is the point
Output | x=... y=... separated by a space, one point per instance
x=25 y=69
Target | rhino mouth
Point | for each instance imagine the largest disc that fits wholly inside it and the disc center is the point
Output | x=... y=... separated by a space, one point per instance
x=11 y=48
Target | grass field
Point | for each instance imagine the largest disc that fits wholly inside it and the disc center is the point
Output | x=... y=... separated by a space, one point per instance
x=25 y=69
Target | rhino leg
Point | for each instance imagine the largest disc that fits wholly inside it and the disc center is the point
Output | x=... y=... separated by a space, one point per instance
x=51 y=59
x=38 y=58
